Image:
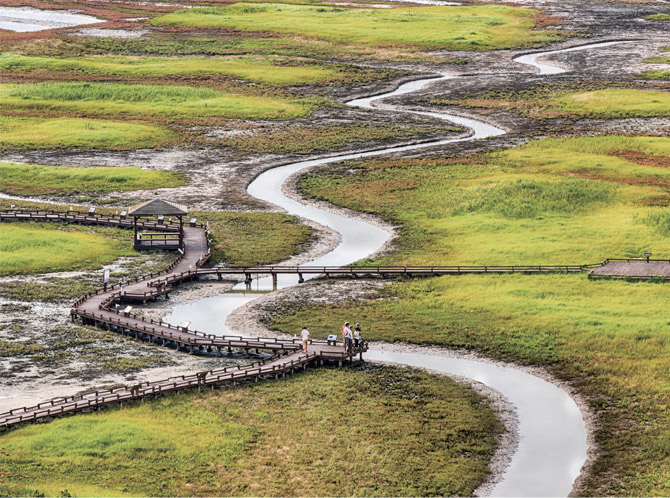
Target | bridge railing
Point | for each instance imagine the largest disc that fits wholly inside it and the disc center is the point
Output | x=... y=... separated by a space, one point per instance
x=370 y=270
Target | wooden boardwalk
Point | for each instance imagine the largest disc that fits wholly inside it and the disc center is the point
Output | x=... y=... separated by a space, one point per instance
x=636 y=269
x=98 y=308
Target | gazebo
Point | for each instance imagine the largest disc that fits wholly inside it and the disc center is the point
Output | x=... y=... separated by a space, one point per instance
x=158 y=239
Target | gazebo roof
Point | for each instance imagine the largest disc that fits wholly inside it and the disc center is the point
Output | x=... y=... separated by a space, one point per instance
x=158 y=207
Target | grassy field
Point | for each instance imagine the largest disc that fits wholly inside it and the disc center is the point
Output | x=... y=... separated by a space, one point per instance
x=238 y=239
x=32 y=179
x=274 y=72
x=609 y=338
x=141 y=101
x=28 y=248
x=294 y=437
x=553 y=201
x=254 y=238
x=56 y=133
x=480 y=27
x=560 y=101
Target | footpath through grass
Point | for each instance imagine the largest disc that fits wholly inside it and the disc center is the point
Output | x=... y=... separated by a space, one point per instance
x=551 y=201
x=467 y=27
x=32 y=179
x=320 y=433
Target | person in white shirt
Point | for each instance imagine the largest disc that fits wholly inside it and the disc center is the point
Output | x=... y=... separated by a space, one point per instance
x=348 y=337
x=305 y=338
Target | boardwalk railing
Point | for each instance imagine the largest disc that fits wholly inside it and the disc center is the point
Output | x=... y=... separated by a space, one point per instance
x=98 y=310
x=369 y=270
x=96 y=399
x=85 y=217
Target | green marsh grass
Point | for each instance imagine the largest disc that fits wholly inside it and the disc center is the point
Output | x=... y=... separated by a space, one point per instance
x=49 y=133
x=471 y=27
x=135 y=101
x=657 y=74
x=320 y=433
x=615 y=103
x=257 y=69
x=561 y=101
x=254 y=238
x=609 y=338
x=552 y=201
x=223 y=45
x=27 y=248
x=31 y=179
x=659 y=17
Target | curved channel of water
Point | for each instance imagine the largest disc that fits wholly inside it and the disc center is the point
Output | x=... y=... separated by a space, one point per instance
x=552 y=434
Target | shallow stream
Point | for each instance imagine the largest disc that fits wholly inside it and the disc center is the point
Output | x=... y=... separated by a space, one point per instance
x=552 y=435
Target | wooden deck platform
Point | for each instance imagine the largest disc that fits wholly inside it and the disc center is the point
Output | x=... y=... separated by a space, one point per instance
x=633 y=269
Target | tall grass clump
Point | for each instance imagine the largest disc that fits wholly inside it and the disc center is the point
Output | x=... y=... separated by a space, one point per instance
x=659 y=220
x=528 y=198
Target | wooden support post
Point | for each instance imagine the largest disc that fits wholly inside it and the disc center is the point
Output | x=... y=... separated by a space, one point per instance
x=274 y=281
x=301 y=279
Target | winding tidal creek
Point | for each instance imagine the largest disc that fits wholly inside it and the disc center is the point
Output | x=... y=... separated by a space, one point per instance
x=551 y=432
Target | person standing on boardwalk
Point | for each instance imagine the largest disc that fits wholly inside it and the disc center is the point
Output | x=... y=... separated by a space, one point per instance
x=348 y=337
x=357 y=335
x=344 y=335
x=304 y=335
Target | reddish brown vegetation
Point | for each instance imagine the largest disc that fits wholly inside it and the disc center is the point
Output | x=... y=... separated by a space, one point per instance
x=639 y=157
